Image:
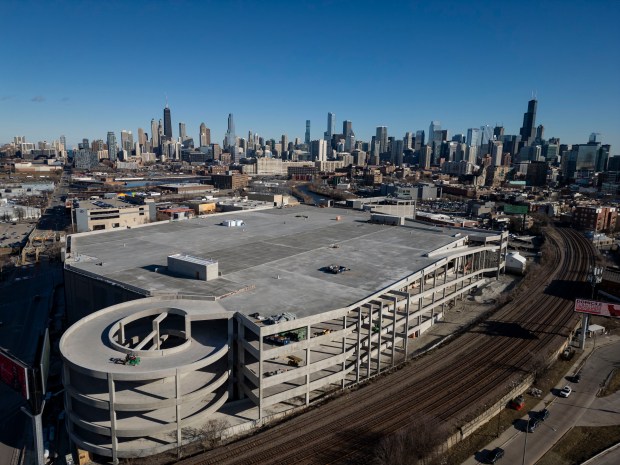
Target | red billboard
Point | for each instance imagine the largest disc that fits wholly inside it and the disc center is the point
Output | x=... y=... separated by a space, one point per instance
x=597 y=308
x=14 y=374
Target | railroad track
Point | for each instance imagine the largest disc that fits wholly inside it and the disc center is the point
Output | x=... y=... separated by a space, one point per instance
x=441 y=384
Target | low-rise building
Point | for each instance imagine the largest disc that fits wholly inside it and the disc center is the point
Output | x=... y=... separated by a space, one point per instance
x=175 y=214
x=232 y=181
x=97 y=215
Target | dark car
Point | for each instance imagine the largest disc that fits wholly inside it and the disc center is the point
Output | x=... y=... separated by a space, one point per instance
x=495 y=455
x=577 y=378
x=532 y=425
x=543 y=414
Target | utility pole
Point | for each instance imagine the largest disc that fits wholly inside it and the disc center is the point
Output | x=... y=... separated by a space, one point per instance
x=595 y=276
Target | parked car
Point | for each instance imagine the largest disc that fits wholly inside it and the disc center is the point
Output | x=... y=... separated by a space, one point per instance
x=543 y=414
x=565 y=392
x=495 y=455
x=517 y=403
x=577 y=378
x=532 y=425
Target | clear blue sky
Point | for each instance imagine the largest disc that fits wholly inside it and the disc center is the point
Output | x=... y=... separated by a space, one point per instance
x=84 y=68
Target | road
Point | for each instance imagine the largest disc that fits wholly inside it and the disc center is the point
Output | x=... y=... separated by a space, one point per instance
x=582 y=407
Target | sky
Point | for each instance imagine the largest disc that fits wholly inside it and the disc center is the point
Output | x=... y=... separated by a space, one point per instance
x=83 y=68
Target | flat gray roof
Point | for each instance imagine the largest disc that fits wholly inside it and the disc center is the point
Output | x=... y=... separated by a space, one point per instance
x=276 y=259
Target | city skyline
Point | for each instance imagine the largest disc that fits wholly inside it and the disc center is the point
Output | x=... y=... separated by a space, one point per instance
x=380 y=83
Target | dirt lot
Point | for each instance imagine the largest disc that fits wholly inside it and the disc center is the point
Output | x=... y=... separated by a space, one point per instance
x=581 y=443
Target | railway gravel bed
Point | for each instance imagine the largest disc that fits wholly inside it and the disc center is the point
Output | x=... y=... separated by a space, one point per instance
x=450 y=384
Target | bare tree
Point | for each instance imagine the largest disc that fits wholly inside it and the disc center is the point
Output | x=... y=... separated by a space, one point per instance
x=211 y=432
x=416 y=444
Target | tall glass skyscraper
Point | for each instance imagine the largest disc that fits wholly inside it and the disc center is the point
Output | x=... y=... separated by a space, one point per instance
x=231 y=138
x=528 y=130
x=331 y=126
x=381 y=139
x=112 y=147
x=167 y=123
x=307 y=138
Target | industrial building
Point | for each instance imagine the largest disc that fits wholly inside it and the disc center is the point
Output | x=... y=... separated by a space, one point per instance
x=99 y=215
x=268 y=309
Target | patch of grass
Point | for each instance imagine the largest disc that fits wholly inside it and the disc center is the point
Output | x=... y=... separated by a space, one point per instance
x=612 y=385
x=581 y=443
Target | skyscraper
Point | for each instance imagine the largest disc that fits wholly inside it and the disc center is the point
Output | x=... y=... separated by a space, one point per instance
x=397 y=152
x=318 y=150
x=127 y=141
x=349 y=136
x=486 y=135
x=528 y=130
x=381 y=139
x=498 y=132
x=331 y=126
x=155 y=135
x=182 y=131
x=432 y=129
x=167 y=123
x=112 y=147
x=408 y=140
x=205 y=135
x=540 y=133
x=63 y=143
x=230 y=141
x=284 y=145
x=141 y=137
x=307 y=138
x=419 y=140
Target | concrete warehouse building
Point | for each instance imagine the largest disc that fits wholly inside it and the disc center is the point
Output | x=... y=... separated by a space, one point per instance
x=267 y=313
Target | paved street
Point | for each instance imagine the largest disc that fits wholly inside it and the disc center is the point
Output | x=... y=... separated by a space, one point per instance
x=582 y=407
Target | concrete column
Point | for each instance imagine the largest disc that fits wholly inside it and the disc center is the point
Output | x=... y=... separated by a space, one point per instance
x=177 y=394
x=260 y=375
x=241 y=359
x=344 y=349
x=112 y=400
x=499 y=259
x=157 y=334
x=231 y=359
x=188 y=328
x=308 y=373
x=358 y=348
x=121 y=333
x=380 y=338
x=369 y=340
x=66 y=381
x=407 y=307
x=434 y=284
x=394 y=331
x=445 y=279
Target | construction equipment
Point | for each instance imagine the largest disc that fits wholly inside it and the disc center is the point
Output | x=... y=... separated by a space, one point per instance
x=294 y=361
x=132 y=359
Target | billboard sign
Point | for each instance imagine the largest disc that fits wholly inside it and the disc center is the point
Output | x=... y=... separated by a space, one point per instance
x=14 y=374
x=597 y=308
x=516 y=209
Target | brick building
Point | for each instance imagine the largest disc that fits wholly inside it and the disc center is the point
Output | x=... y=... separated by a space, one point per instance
x=595 y=218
